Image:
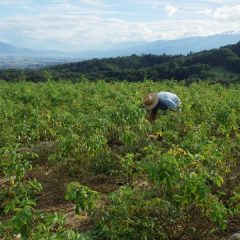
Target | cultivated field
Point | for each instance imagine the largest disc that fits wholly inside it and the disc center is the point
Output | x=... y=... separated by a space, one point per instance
x=81 y=161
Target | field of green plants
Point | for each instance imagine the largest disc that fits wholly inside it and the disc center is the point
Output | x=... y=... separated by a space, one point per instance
x=177 y=178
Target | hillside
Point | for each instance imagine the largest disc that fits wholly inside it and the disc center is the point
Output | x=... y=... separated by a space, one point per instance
x=216 y=65
x=221 y=65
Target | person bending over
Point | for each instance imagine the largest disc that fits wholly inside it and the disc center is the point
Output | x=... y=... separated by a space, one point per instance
x=162 y=100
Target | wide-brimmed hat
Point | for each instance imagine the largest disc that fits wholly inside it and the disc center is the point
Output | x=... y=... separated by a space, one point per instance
x=150 y=101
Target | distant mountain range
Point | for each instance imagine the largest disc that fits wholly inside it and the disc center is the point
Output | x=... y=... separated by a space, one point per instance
x=170 y=47
x=9 y=50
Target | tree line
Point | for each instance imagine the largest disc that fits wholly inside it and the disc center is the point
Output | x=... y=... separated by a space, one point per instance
x=216 y=65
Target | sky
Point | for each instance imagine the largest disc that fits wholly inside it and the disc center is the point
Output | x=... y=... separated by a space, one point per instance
x=77 y=25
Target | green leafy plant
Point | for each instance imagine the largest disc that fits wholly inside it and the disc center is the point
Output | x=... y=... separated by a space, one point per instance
x=84 y=198
x=165 y=178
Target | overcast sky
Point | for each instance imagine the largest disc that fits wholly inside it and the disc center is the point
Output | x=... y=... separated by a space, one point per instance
x=75 y=25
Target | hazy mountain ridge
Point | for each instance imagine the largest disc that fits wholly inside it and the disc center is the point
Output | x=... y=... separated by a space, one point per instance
x=179 y=46
x=170 y=47
x=10 y=50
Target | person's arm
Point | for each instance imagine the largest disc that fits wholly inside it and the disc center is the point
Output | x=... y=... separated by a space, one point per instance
x=153 y=114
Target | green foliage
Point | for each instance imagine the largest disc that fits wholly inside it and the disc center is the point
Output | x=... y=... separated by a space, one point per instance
x=83 y=197
x=177 y=171
x=192 y=68
x=20 y=218
x=51 y=226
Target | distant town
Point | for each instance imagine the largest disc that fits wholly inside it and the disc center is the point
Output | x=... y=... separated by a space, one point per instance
x=19 y=62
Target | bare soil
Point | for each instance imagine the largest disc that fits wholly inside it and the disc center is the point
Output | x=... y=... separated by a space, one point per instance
x=51 y=199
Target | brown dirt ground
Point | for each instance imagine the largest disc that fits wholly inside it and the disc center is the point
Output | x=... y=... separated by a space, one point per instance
x=51 y=199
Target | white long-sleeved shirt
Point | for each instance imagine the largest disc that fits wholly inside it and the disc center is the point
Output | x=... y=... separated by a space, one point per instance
x=168 y=100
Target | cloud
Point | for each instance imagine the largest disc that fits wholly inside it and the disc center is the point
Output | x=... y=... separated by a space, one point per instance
x=171 y=10
x=227 y=13
x=80 y=32
x=223 y=1
x=75 y=25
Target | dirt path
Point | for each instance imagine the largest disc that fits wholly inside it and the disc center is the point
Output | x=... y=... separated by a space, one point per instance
x=51 y=198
